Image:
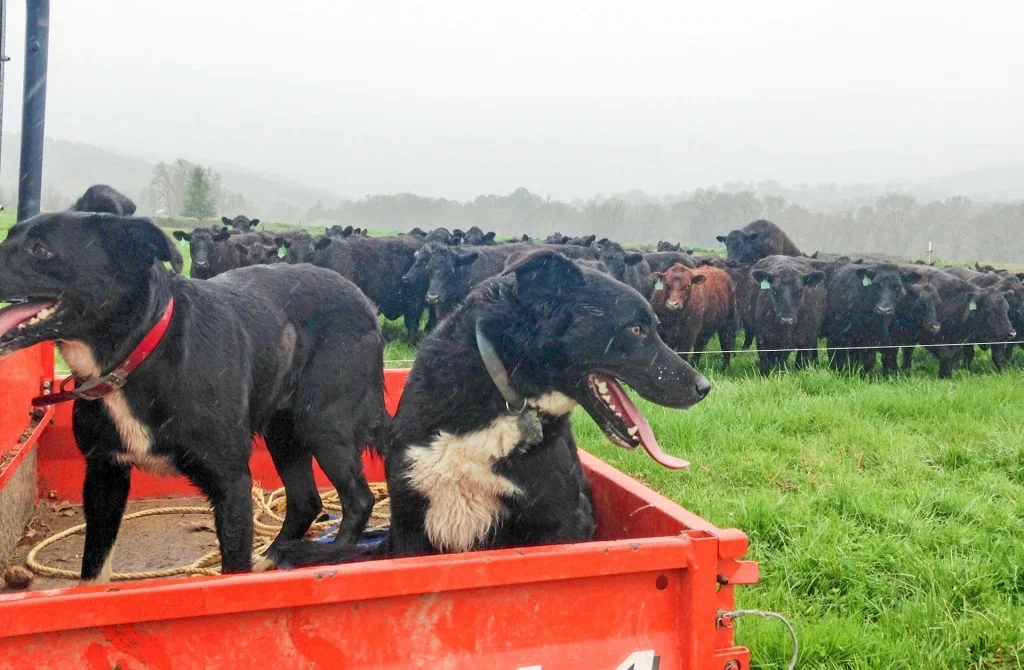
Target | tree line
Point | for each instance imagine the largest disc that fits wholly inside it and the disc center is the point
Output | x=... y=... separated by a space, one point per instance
x=894 y=224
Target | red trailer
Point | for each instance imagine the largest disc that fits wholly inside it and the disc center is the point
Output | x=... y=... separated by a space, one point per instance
x=648 y=594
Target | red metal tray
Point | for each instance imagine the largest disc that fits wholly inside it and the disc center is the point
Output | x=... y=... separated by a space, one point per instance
x=644 y=596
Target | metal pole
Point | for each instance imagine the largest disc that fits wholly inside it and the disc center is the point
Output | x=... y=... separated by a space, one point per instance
x=3 y=62
x=33 y=107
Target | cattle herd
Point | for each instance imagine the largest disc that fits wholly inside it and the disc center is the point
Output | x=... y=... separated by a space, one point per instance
x=783 y=300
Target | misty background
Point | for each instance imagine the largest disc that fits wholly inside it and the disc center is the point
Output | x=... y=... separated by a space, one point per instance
x=868 y=128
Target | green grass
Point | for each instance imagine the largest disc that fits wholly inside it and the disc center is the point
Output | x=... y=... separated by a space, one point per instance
x=887 y=514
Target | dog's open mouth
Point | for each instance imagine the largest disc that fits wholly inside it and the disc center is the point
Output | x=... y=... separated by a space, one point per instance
x=20 y=320
x=623 y=423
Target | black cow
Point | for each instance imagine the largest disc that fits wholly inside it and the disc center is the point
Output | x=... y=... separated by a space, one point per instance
x=660 y=261
x=917 y=319
x=376 y=266
x=103 y=198
x=476 y=237
x=668 y=246
x=629 y=267
x=789 y=310
x=299 y=249
x=860 y=307
x=240 y=222
x=758 y=240
x=211 y=254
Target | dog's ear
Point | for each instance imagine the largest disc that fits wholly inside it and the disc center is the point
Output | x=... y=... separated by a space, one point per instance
x=133 y=243
x=546 y=273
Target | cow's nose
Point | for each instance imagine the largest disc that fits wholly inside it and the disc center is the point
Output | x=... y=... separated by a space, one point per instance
x=1013 y=333
x=672 y=304
x=787 y=320
x=431 y=298
x=884 y=311
x=936 y=327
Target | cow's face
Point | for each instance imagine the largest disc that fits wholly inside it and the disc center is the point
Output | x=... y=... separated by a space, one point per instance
x=240 y=222
x=883 y=286
x=299 y=249
x=786 y=286
x=443 y=271
x=676 y=286
x=202 y=243
x=745 y=247
x=616 y=259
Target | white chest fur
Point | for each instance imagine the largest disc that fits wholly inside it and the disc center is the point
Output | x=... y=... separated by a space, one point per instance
x=456 y=474
x=136 y=439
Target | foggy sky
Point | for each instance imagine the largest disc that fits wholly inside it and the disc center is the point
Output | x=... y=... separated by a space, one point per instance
x=567 y=99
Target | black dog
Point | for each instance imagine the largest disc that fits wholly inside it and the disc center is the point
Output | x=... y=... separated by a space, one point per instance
x=482 y=453
x=292 y=352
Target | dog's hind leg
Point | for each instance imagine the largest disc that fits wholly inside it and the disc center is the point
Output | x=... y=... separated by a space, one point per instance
x=229 y=490
x=294 y=464
x=341 y=461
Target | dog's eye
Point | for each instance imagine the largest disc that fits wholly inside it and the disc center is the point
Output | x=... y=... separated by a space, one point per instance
x=40 y=252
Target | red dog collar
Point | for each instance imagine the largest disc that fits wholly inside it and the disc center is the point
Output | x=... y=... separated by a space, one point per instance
x=93 y=389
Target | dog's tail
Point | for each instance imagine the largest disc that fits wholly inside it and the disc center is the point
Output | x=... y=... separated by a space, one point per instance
x=305 y=553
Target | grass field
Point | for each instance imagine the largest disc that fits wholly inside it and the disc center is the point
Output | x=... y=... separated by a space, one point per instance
x=887 y=514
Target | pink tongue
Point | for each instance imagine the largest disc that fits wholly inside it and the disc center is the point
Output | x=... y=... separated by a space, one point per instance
x=646 y=435
x=13 y=316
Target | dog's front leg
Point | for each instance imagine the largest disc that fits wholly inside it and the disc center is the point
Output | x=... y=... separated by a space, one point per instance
x=232 y=515
x=104 y=498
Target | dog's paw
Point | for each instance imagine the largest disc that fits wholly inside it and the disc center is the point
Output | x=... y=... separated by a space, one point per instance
x=261 y=563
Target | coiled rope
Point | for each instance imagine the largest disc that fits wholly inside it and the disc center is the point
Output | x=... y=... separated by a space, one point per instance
x=268 y=516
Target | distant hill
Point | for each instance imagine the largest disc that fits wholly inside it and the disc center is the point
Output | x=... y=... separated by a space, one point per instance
x=71 y=167
x=997 y=181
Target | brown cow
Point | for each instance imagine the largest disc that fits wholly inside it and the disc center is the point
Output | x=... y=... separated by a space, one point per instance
x=693 y=305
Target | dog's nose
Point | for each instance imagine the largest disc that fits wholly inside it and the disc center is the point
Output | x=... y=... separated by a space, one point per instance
x=703 y=386
x=787 y=320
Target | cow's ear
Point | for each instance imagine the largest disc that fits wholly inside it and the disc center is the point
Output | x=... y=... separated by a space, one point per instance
x=760 y=275
x=861 y=272
x=633 y=259
x=225 y=220
x=1020 y=276
x=911 y=277
x=565 y=239
x=281 y=242
x=489 y=237
x=721 y=238
x=814 y=255
x=133 y=243
x=547 y=273
x=181 y=236
x=814 y=278
x=221 y=236
x=589 y=239
x=526 y=238
x=698 y=279
x=752 y=236
x=322 y=243
x=254 y=222
x=689 y=252
x=466 y=259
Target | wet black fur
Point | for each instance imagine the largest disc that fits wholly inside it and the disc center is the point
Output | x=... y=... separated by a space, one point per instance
x=552 y=322
x=292 y=352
